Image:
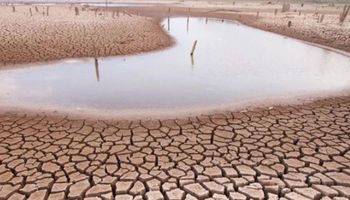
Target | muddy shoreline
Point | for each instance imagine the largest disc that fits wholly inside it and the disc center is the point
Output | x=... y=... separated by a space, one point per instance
x=266 y=154
x=159 y=12
x=59 y=42
x=255 y=105
x=281 y=152
x=249 y=18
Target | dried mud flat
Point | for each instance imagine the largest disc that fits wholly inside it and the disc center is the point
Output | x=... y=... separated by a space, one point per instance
x=300 y=152
x=29 y=35
x=288 y=152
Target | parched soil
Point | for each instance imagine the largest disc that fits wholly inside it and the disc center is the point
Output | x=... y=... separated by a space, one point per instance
x=63 y=34
x=285 y=152
x=290 y=152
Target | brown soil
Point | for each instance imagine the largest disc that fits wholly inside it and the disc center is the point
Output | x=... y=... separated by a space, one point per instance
x=291 y=152
x=288 y=152
x=63 y=34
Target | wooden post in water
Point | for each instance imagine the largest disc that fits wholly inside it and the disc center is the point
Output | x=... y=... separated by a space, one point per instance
x=188 y=22
x=192 y=60
x=30 y=11
x=194 y=47
x=97 y=70
x=188 y=19
x=168 y=19
x=76 y=11
x=192 y=52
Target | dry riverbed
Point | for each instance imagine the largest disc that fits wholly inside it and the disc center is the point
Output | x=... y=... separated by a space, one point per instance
x=285 y=152
x=289 y=152
x=36 y=34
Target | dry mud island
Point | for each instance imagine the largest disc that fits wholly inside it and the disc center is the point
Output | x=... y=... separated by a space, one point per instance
x=284 y=152
x=41 y=33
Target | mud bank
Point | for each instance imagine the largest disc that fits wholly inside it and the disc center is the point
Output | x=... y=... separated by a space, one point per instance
x=41 y=33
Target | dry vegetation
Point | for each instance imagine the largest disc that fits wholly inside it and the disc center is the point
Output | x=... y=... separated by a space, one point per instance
x=40 y=33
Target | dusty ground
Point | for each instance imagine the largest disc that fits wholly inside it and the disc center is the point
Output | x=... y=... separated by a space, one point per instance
x=300 y=152
x=289 y=152
x=62 y=34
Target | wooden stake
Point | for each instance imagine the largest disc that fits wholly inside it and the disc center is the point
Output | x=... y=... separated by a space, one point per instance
x=192 y=60
x=97 y=70
x=188 y=21
x=194 y=47
x=76 y=11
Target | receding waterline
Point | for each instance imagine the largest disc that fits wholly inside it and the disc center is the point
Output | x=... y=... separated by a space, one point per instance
x=231 y=63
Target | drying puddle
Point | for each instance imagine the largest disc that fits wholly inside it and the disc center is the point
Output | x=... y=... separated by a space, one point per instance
x=232 y=63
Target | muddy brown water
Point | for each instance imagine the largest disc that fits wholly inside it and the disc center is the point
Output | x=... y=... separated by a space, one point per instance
x=232 y=63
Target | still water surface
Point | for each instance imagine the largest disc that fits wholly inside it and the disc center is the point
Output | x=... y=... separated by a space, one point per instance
x=232 y=63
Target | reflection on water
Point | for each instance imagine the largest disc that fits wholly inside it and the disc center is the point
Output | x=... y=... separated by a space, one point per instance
x=188 y=24
x=231 y=63
x=168 y=23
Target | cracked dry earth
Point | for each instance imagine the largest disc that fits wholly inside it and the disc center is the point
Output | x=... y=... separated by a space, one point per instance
x=56 y=32
x=288 y=152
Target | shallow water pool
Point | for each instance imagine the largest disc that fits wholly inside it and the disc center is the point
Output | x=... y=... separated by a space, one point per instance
x=232 y=63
